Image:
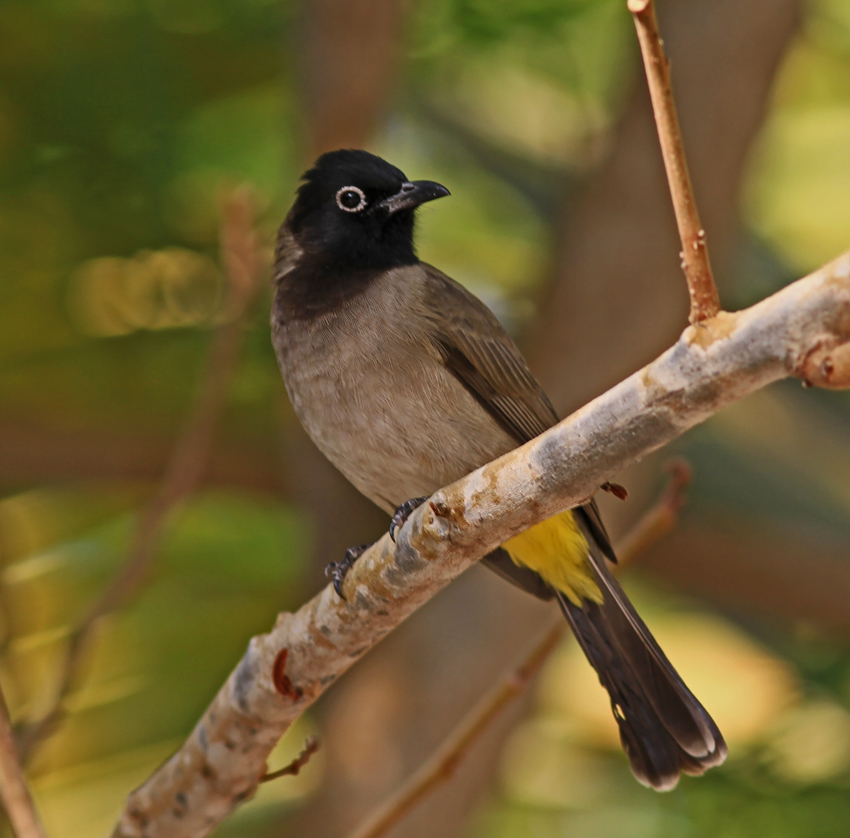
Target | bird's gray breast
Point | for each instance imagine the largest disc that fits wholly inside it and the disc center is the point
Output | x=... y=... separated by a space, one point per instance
x=371 y=390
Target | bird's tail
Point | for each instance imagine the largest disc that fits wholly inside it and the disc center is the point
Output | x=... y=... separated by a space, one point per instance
x=664 y=729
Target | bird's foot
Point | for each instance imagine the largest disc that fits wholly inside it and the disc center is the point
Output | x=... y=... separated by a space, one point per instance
x=403 y=513
x=337 y=571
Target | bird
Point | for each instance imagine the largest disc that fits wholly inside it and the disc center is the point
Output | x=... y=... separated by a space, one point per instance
x=407 y=382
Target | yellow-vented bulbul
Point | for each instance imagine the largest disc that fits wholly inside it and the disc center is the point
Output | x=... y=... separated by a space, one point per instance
x=407 y=382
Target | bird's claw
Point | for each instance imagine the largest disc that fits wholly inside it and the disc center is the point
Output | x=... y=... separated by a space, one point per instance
x=403 y=513
x=337 y=571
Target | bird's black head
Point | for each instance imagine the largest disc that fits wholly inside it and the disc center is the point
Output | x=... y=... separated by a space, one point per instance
x=358 y=210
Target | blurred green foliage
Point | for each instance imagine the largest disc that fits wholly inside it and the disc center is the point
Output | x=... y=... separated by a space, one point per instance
x=120 y=121
x=796 y=194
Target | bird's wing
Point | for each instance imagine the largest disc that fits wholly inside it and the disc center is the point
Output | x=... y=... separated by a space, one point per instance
x=478 y=351
x=481 y=355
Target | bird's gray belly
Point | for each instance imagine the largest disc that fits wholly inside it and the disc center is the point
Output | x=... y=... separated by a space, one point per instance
x=386 y=412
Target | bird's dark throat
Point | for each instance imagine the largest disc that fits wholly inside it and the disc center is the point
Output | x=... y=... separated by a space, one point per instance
x=319 y=284
x=340 y=263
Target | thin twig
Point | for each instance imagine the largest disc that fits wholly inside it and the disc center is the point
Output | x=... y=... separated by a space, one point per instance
x=440 y=767
x=243 y=267
x=293 y=769
x=705 y=302
x=444 y=762
x=662 y=516
x=14 y=792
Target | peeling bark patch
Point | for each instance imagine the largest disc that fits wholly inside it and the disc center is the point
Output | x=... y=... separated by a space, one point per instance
x=395 y=576
x=546 y=456
x=454 y=513
x=140 y=817
x=676 y=401
x=362 y=600
x=203 y=740
x=826 y=364
x=244 y=678
x=707 y=332
x=281 y=680
x=320 y=638
x=440 y=508
x=179 y=811
x=407 y=560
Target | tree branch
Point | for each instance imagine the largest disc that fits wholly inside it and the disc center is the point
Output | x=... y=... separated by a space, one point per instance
x=14 y=792
x=294 y=768
x=441 y=766
x=662 y=516
x=243 y=266
x=286 y=670
x=705 y=302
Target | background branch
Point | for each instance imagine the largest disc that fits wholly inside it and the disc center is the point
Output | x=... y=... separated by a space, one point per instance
x=14 y=792
x=662 y=516
x=705 y=302
x=286 y=670
x=444 y=762
x=243 y=267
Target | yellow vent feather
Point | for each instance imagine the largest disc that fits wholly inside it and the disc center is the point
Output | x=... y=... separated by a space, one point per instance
x=557 y=549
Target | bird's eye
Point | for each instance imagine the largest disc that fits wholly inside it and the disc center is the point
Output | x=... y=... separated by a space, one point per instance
x=351 y=199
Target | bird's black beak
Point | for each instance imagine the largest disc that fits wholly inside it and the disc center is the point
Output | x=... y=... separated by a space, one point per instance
x=411 y=195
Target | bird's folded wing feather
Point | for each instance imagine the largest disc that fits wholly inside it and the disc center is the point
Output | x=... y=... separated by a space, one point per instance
x=478 y=351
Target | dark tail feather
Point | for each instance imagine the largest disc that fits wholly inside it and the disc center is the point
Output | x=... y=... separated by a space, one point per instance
x=664 y=730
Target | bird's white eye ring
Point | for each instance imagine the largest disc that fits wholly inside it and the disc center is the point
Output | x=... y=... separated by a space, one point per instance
x=351 y=199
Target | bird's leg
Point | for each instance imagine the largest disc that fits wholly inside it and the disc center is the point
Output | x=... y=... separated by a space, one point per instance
x=403 y=513
x=337 y=571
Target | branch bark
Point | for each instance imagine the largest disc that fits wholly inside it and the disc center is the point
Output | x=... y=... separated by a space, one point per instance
x=705 y=302
x=14 y=791
x=286 y=670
